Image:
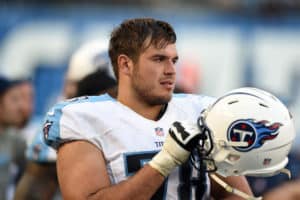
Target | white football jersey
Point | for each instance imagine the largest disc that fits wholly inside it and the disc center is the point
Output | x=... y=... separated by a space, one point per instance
x=127 y=139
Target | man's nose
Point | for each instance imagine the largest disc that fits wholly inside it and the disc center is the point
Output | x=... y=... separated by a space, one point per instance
x=170 y=67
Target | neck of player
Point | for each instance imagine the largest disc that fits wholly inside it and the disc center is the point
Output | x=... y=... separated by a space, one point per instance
x=151 y=112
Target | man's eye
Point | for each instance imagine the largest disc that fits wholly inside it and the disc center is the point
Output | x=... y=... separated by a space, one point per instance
x=158 y=59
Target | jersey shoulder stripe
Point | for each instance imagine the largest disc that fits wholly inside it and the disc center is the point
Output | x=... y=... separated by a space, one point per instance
x=195 y=99
x=51 y=127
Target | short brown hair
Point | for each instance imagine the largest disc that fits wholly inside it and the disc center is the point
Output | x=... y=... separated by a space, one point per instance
x=133 y=36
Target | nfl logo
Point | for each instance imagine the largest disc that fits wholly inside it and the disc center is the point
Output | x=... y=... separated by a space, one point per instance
x=159 y=131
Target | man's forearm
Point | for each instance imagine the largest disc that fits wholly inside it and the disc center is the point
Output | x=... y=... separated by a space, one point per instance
x=142 y=185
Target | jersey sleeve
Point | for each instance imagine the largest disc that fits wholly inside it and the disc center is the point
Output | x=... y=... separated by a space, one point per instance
x=37 y=150
x=68 y=121
x=203 y=101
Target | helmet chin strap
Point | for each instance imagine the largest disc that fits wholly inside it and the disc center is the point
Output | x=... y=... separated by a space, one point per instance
x=238 y=144
x=232 y=190
x=240 y=193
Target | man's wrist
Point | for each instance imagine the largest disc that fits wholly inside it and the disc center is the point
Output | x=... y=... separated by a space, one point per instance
x=171 y=155
x=163 y=163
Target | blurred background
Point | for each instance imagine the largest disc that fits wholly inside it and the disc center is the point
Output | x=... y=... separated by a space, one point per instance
x=222 y=44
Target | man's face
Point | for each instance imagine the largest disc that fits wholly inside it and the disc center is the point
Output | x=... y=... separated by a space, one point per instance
x=11 y=107
x=27 y=93
x=154 y=74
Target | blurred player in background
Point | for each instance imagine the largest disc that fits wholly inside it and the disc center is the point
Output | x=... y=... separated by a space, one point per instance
x=11 y=103
x=97 y=83
x=23 y=133
x=89 y=58
x=16 y=106
x=87 y=75
x=27 y=93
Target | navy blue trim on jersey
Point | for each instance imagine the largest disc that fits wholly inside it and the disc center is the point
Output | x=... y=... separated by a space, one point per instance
x=134 y=161
x=137 y=159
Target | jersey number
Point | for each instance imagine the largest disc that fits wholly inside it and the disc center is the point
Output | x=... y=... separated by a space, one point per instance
x=135 y=161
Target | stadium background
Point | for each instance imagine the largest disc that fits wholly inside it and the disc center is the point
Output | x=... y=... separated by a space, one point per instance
x=226 y=43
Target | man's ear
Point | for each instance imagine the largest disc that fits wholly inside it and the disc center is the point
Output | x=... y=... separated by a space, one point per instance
x=125 y=64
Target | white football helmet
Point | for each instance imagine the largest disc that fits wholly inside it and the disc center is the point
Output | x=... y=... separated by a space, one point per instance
x=252 y=133
x=90 y=57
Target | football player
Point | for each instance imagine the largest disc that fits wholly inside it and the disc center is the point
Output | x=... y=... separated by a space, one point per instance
x=121 y=148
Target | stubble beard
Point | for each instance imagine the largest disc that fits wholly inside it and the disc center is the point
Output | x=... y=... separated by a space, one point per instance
x=144 y=91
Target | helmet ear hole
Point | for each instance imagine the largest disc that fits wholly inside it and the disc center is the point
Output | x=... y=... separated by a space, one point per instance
x=263 y=105
x=232 y=102
x=233 y=158
x=249 y=125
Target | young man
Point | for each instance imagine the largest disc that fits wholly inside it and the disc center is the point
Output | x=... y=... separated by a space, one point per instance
x=10 y=103
x=26 y=92
x=106 y=146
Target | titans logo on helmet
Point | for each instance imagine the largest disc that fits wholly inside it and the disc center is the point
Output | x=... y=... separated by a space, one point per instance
x=252 y=132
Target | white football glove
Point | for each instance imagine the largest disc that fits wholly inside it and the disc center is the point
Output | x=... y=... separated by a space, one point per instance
x=181 y=140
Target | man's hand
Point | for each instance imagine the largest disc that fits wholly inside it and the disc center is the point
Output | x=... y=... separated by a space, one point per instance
x=182 y=138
